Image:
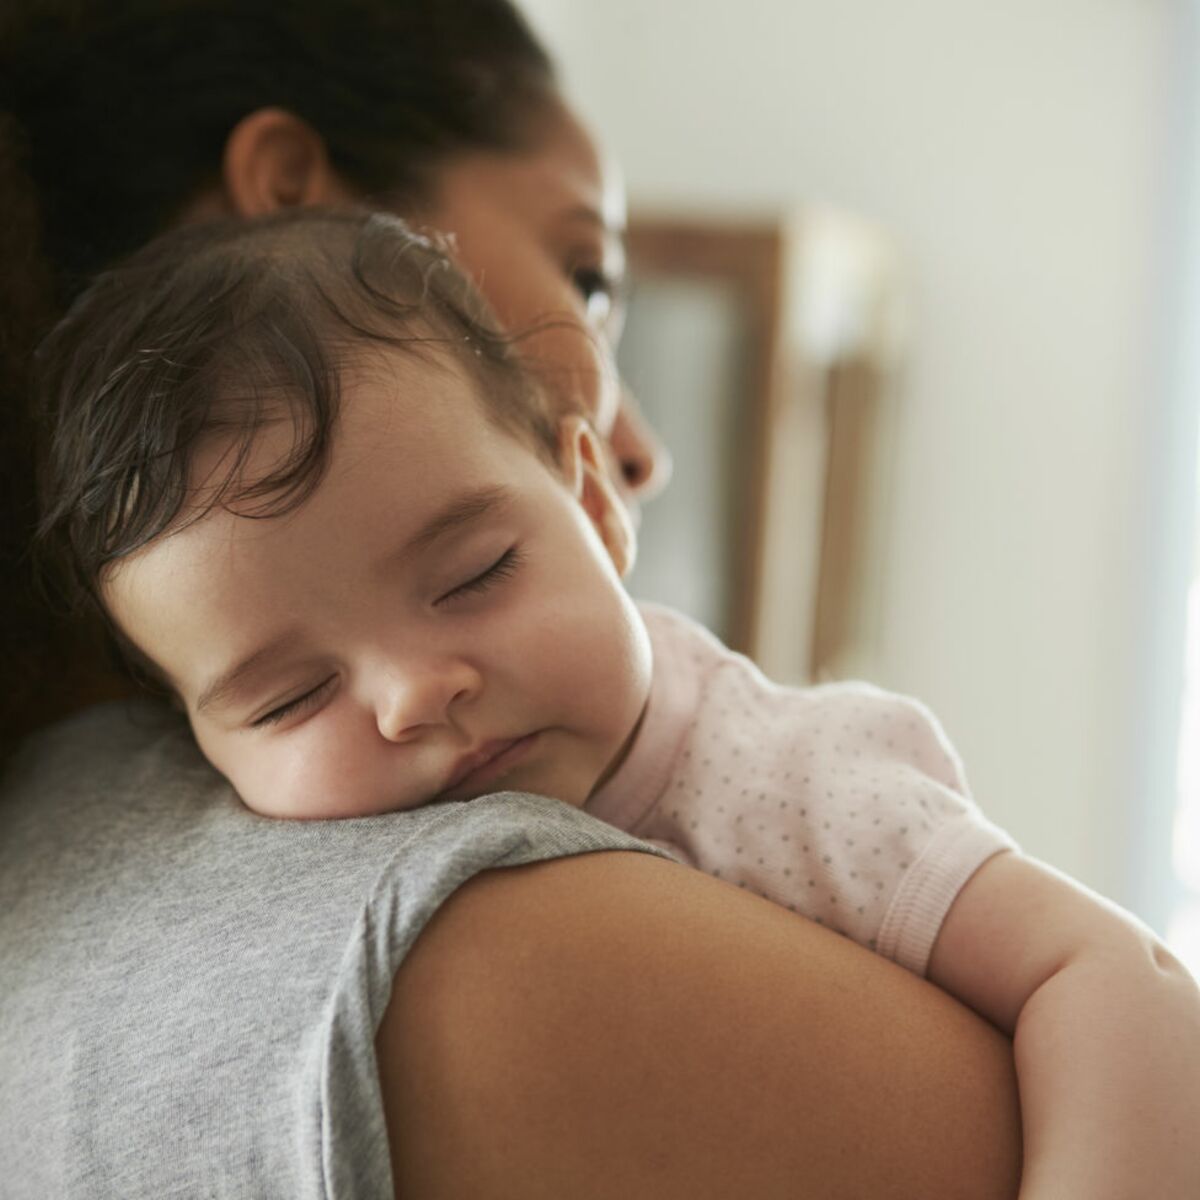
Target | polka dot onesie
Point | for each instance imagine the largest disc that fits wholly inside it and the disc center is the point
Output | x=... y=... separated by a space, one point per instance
x=843 y=802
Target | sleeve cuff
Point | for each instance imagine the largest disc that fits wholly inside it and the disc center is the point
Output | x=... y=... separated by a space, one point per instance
x=930 y=886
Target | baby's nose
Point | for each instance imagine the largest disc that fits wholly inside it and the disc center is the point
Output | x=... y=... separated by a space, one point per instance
x=417 y=697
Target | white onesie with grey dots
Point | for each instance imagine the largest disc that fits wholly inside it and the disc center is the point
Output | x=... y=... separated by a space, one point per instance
x=842 y=802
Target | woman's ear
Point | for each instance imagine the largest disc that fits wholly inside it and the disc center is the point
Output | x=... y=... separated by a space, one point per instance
x=274 y=160
x=586 y=470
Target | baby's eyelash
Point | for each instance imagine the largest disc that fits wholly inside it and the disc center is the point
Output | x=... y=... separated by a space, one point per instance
x=503 y=568
x=308 y=699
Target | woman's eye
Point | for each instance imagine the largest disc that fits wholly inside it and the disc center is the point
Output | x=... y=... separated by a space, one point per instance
x=300 y=703
x=599 y=292
x=592 y=281
x=503 y=568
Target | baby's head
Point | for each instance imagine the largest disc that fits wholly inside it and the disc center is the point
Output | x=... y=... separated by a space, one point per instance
x=321 y=504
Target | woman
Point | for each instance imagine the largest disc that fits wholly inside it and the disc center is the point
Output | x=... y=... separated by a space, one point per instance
x=196 y=1000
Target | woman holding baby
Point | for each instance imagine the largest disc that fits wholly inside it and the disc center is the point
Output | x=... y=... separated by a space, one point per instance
x=198 y=999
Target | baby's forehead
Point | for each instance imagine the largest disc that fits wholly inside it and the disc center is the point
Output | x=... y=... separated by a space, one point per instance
x=400 y=430
x=421 y=384
x=402 y=480
x=416 y=393
x=255 y=433
x=416 y=413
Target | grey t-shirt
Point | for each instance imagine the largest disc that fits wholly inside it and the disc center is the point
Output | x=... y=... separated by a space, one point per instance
x=189 y=993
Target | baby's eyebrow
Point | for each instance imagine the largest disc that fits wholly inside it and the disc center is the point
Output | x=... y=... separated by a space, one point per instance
x=219 y=690
x=462 y=510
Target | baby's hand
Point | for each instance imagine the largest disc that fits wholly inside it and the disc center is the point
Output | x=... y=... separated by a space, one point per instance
x=1106 y=1032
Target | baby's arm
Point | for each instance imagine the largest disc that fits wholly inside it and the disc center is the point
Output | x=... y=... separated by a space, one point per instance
x=1105 y=1025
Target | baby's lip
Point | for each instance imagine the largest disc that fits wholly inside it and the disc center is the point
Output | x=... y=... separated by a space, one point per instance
x=479 y=759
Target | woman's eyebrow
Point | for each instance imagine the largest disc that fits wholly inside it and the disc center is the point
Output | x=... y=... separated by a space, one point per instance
x=463 y=510
x=587 y=214
x=590 y=215
x=612 y=236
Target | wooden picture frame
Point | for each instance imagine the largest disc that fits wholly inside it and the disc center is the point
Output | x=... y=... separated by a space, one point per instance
x=797 y=323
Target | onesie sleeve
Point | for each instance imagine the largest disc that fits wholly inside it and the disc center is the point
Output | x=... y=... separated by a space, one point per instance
x=938 y=835
x=891 y=830
x=844 y=803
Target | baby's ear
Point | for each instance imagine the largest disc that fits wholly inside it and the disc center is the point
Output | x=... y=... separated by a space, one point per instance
x=586 y=470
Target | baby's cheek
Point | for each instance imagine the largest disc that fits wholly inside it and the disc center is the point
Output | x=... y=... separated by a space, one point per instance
x=325 y=775
x=604 y=674
x=298 y=775
x=239 y=767
x=269 y=785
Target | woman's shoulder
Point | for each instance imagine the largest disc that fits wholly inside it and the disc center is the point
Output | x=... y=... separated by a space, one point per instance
x=127 y=783
x=655 y=1009
x=170 y=960
x=113 y=745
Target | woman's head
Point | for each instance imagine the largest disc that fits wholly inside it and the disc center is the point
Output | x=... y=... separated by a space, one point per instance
x=142 y=114
x=127 y=106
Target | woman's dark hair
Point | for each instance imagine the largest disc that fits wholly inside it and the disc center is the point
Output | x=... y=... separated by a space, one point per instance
x=114 y=115
x=126 y=104
x=218 y=330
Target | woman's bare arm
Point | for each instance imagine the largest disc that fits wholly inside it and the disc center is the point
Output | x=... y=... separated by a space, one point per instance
x=615 y=1026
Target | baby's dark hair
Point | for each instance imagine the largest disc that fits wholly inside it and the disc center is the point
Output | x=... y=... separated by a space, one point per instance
x=219 y=329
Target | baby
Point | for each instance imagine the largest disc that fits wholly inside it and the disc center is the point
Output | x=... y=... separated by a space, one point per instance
x=325 y=510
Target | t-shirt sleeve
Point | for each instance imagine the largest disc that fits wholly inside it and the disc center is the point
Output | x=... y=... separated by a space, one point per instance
x=189 y=993
x=342 y=1120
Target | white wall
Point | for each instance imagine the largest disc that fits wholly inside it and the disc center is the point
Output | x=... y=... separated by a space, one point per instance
x=1019 y=152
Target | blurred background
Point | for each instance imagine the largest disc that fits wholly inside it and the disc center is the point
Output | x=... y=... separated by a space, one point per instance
x=916 y=304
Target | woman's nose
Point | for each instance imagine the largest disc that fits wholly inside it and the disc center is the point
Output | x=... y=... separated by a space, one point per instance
x=415 y=698
x=644 y=461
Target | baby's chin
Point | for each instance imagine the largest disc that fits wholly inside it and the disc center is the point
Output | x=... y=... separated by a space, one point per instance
x=281 y=805
x=285 y=810
x=285 y=794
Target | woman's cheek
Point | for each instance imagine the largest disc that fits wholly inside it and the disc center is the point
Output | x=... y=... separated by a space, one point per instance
x=575 y=365
x=539 y=305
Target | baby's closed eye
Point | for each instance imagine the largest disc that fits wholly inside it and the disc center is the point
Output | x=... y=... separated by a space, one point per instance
x=502 y=568
x=302 y=703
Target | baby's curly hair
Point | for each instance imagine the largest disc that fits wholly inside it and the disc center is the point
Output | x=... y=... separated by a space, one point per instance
x=222 y=328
